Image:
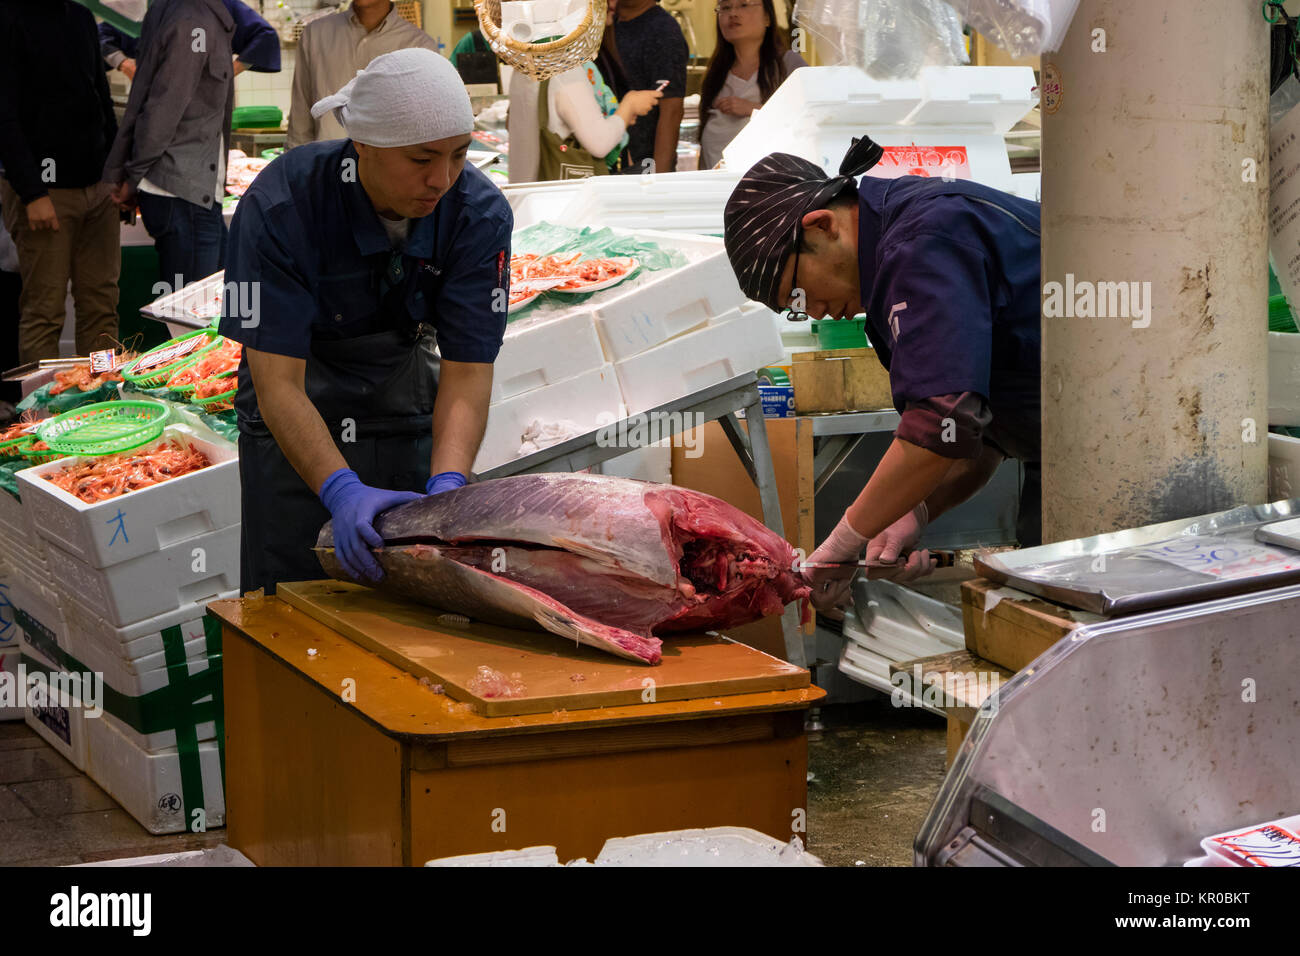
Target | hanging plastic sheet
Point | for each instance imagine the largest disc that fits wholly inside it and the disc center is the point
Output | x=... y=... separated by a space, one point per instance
x=1021 y=27
x=889 y=39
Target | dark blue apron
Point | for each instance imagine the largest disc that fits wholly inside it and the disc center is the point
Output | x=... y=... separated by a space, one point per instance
x=385 y=383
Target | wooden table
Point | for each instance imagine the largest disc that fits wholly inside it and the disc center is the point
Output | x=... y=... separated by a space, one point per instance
x=339 y=757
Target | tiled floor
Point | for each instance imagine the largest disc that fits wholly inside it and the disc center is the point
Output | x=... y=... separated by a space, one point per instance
x=52 y=815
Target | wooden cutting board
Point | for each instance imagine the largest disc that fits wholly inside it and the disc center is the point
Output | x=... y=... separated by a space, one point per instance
x=553 y=673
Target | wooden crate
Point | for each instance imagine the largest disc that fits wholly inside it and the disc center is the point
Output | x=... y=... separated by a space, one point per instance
x=839 y=380
x=1016 y=627
x=961 y=699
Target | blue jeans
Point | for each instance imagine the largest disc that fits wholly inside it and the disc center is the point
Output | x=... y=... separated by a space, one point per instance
x=191 y=240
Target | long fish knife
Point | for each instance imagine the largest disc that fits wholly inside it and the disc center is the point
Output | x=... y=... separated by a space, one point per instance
x=942 y=559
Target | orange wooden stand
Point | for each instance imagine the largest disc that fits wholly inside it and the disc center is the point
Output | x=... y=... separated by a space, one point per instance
x=341 y=758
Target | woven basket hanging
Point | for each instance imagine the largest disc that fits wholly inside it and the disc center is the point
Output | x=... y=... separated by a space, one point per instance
x=542 y=61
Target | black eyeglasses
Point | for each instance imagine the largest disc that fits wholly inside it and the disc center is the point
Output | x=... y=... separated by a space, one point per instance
x=792 y=314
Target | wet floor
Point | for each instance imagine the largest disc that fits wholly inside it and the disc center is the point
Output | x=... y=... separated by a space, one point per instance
x=875 y=771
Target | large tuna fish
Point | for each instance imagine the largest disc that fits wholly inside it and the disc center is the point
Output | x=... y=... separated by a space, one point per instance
x=609 y=562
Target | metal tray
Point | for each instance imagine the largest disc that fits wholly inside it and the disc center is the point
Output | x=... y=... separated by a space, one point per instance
x=1157 y=566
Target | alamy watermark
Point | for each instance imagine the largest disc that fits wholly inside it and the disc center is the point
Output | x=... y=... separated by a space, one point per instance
x=683 y=429
x=1098 y=300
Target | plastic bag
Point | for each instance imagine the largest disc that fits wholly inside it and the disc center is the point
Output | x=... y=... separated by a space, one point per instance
x=1021 y=27
x=68 y=399
x=8 y=481
x=889 y=39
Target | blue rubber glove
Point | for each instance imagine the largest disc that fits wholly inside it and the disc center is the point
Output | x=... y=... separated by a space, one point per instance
x=354 y=507
x=445 y=481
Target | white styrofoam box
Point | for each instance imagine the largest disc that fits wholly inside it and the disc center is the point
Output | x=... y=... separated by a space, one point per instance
x=697 y=360
x=540 y=202
x=63 y=727
x=219 y=855
x=648 y=463
x=687 y=201
x=992 y=98
x=137 y=685
x=589 y=400
x=544 y=349
x=528 y=856
x=710 y=846
x=148 y=785
x=1027 y=186
x=9 y=657
x=152 y=518
x=14 y=521
x=155 y=583
x=1284 y=378
x=1283 y=467
x=636 y=323
x=135 y=642
x=818 y=93
x=8 y=629
x=40 y=604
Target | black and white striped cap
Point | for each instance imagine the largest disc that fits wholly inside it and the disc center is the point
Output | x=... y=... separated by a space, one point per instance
x=770 y=201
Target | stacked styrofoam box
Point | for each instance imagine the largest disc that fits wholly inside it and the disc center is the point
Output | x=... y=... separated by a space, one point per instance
x=147 y=552
x=1283 y=467
x=742 y=340
x=561 y=366
x=817 y=111
x=587 y=400
x=61 y=723
x=543 y=350
x=9 y=641
x=128 y=569
x=137 y=769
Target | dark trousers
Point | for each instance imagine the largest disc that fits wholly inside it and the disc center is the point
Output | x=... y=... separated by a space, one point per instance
x=11 y=285
x=191 y=240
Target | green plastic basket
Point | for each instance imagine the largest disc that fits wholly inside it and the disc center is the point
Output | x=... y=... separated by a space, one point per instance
x=106 y=428
x=256 y=117
x=1279 y=315
x=155 y=376
x=207 y=403
x=39 y=457
x=841 y=333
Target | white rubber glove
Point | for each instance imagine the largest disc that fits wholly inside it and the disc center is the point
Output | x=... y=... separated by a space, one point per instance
x=831 y=586
x=900 y=538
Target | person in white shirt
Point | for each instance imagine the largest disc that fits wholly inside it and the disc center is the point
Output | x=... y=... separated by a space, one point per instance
x=750 y=60
x=574 y=108
x=332 y=50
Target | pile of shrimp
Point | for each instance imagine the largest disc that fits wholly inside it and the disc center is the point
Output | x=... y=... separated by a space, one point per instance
x=212 y=388
x=223 y=360
x=593 y=271
x=529 y=266
x=98 y=479
x=80 y=376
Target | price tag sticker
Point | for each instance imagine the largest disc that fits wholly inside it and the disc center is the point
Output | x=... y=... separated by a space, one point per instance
x=105 y=360
x=1270 y=845
x=1226 y=560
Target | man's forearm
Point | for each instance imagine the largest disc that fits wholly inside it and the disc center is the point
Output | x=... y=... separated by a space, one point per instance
x=966 y=477
x=667 y=131
x=906 y=476
x=300 y=432
x=460 y=416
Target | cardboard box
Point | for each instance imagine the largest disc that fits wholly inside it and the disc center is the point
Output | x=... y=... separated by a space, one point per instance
x=840 y=380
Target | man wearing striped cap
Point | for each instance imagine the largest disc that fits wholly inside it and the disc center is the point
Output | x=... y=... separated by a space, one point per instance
x=947 y=273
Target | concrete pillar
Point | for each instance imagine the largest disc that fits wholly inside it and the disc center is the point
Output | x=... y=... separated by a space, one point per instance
x=1143 y=182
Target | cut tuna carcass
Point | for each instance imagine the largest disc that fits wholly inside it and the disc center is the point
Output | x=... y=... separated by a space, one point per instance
x=609 y=562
